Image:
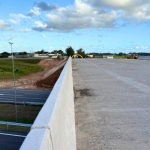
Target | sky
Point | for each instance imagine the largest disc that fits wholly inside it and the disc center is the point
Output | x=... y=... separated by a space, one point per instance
x=95 y=25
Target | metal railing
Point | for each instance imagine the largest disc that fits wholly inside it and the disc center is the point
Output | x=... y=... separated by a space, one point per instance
x=15 y=124
x=22 y=103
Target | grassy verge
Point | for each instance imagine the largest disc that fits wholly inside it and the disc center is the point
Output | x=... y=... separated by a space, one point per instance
x=99 y=56
x=22 y=67
x=15 y=128
x=120 y=57
x=25 y=114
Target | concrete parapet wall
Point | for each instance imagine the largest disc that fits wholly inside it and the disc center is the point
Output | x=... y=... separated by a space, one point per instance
x=54 y=127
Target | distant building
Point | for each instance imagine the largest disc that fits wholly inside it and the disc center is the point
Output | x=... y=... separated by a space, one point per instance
x=108 y=56
x=22 y=56
x=55 y=55
x=41 y=55
x=91 y=56
x=10 y=56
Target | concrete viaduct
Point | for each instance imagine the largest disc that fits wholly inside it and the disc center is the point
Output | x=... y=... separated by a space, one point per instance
x=96 y=104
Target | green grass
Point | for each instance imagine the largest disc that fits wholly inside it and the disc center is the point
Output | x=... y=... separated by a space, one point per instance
x=19 y=120
x=15 y=128
x=120 y=57
x=25 y=114
x=99 y=56
x=23 y=67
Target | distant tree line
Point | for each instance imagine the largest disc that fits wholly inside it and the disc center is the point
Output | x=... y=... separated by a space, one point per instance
x=53 y=52
x=57 y=51
x=141 y=53
x=70 y=52
x=121 y=54
x=22 y=53
x=4 y=55
x=41 y=52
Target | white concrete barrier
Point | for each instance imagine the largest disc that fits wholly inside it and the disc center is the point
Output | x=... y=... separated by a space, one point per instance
x=54 y=127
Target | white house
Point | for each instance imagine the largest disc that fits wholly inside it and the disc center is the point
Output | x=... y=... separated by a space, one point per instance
x=108 y=56
x=41 y=55
x=91 y=56
x=55 y=55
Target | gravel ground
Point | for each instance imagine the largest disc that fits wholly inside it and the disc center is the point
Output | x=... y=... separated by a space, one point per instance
x=112 y=104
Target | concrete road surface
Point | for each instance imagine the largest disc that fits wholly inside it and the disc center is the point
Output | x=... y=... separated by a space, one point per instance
x=10 y=140
x=28 y=96
x=112 y=104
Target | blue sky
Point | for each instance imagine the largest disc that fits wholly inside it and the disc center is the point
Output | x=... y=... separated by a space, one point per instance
x=94 y=25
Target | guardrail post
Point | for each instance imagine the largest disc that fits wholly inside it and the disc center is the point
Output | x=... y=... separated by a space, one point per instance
x=7 y=125
x=24 y=103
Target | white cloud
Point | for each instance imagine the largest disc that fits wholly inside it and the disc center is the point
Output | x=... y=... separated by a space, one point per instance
x=78 y=16
x=8 y=38
x=13 y=21
x=134 y=11
x=50 y=47
x=141 y=47
x=45 y=7
x=99 y=14
x=34 y=12
x=141 y=14
x=100 y=34
x=4 y=26
x=19 y=16
x=26 y=30
x=44 y=35
x=117 y=4
x=79 y=34
x=40 y=24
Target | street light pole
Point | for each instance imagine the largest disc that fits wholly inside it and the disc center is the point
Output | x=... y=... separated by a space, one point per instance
x=14 y=79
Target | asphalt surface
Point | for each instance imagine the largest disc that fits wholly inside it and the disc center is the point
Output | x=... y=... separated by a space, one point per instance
x=28 y=96
x=112 y=104
x=10 y=140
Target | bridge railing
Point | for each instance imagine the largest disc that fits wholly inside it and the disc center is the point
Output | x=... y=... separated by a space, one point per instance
x=14 y=124
x=54 y=127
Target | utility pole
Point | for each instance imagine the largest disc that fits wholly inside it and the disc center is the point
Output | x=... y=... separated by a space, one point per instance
x=14 y=79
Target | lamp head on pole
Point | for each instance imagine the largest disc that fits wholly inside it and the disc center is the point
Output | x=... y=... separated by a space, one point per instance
x=11 y=43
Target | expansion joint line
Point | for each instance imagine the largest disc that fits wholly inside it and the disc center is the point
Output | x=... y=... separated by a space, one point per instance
x=45 y=127
x=51 y=138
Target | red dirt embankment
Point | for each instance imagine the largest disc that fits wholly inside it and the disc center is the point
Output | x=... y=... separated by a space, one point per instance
x=37 y=80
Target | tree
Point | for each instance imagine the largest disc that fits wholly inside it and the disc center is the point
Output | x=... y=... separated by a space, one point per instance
x=60 y=52
x=70 y=51
x=41 y=52
x=5 y=54
x=22 y=53
x=54 y=52
x=81 y=52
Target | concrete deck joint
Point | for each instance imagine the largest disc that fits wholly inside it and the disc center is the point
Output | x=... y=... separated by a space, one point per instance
x=41 y=127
